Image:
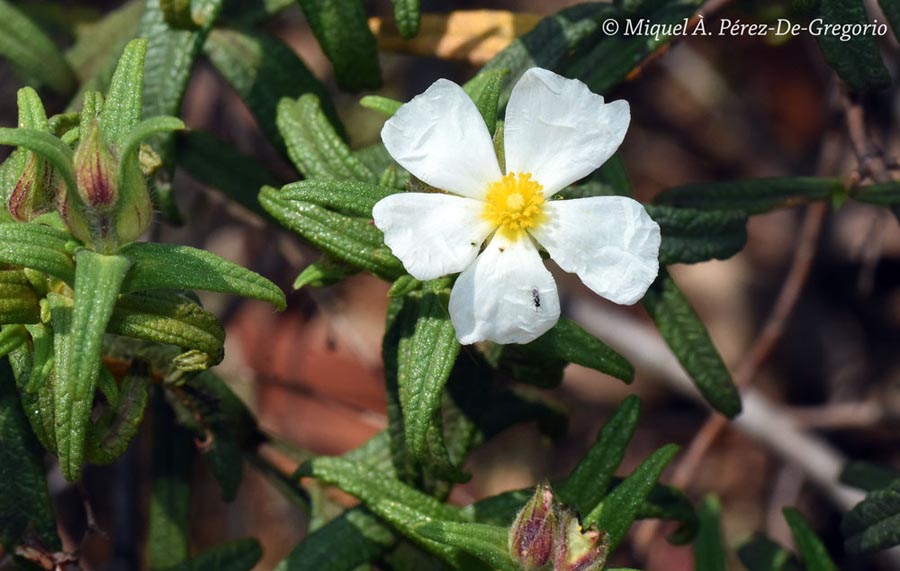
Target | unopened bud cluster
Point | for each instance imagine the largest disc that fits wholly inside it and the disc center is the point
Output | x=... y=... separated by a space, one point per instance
x=547 y=535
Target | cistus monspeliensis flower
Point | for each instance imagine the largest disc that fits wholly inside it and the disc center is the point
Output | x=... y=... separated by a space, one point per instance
x=489 y=225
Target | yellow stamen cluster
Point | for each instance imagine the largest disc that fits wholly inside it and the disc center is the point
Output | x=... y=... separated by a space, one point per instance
x=514 y=204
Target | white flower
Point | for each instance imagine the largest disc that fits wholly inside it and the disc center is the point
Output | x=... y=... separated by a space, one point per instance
x=556 y=132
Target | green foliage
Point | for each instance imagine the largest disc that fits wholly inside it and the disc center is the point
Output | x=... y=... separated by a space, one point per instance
x=690 y=236
x=406 y=13
x=868 y=477
x=709 y=549
x=812 y=552
x=686 y=335
x=874 y=523
x=263 y=70
x=752 y=196
x=24 y=500
x=857 y=60
x=79 y=330
x=343 y=32
x=37 y=247
x=763 y=554
x=32 y=53
x=238 y=555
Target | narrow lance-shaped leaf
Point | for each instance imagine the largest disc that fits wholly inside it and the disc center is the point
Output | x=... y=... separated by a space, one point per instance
x=37 y=247
x=486 y=542
x=342 y=28
x=353 y=538
x=24 y=498
x=485 y=89
x=18 y=299
x=874 y=523
x=590 y=480
x=812 y=551
x=31 y=52
x=170 y=495
x=763 y=554
x=620 y=508
x=46 y=145
x=79 y=341
x=868 y=477
x=131 y=143
x=709 y=550
x=165 y=266
x=263 y=70
x=690 y=236
x=11 y=338
x=218 y=164
x=408 y=16
x=124 y=99
x=857 y=58
x=110 y=436
x=384 y=105
x=314 y=146
x=687 y=336
x=752 y=196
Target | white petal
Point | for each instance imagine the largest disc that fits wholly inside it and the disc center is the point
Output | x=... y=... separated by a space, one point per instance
x=432 y=234
x=609 y=241
x=506 y=296
x=558 y=130
x=441 y=139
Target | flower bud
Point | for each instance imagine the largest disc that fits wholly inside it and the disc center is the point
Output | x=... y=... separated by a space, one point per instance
x=95 y=171
x=534 y=531
x=34 y=191
x=577 y=550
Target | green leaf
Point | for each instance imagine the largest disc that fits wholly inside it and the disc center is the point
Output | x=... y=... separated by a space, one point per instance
x=426 y=346
x=131 y=143
x=34 y=371
x=237 y=555
x=263 y=70
x=621 y=507
x=753 y=196
x=18 y=299
x=404 y=507
x=304 y=209
x=314 y=146
x=484 y=89
x=38 y=247
x=79 y=333
x=857 y=60
x=687 y=336
x=94 y=55
x=11 y=338
x=709 y=549
x=607 y=61
x=178 y=14
x=589 y=481
x=124 y=99
x=882 y=194
x=874 y=523
x=868 y=477
x=32 y=53
x=170 y=318
x=32 y=114
x=219 y=165
x=24 y=498
x=812 y=551
x=170 y=59
x=762 y=554
x=110 y=436
x=46 y=145
x=170 y=493
x=690 y=236
x=407 y=16
x=324 y=272
x=384 y=105
x=489 y=543
x=352 y=539
x=569 y=342
x=166 y=266
x=342 y=28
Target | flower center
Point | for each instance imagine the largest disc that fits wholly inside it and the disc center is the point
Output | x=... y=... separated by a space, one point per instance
x=514 y=204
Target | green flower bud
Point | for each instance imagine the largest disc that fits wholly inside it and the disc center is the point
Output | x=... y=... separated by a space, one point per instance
x=35 y=190
x=578 y=550
x=106 y=211
x=533 y=532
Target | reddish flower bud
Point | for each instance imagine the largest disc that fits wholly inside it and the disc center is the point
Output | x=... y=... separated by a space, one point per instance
x=533 y=533
x=35 y=190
